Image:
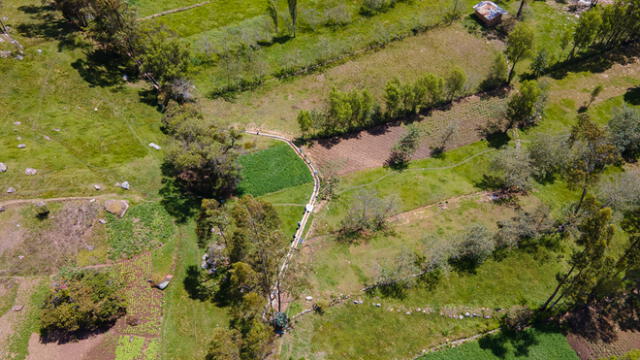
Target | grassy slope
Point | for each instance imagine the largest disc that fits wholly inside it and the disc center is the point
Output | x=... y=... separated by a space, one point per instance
x=384 y=334
x=539 y=345
x=46 y=91
x=187 y=321
x=332 y=333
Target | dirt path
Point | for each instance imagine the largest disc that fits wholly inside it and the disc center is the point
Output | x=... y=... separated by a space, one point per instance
x=419 y=213
x=9 y=320
x=312 y=199
x=173 y=11
x=9 y=203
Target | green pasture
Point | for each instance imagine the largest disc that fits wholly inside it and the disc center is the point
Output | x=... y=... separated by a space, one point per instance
x=531 y=345
x=272 y=169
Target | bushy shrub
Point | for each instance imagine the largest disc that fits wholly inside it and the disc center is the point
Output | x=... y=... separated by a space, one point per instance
x=474 y=248
x=373 y=7
x=82 y=301
x=624 y=128
x=513 y=170
x=405 y=148
x=368 y=214
x=338 y=15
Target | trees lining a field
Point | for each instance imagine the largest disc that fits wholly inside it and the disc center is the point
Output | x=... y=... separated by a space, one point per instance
x=349 y=111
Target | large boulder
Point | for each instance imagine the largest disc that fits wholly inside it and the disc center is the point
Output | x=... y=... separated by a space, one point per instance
x=116 y=207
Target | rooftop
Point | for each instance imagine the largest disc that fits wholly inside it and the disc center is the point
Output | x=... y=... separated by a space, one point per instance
x=489 y=10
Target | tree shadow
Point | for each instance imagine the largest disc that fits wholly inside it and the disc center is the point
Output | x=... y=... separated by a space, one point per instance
x=632 y=96
x=178 y=204
x=394 y=290
x=465 y=265
x=595 y=61
x=499 y=344
x=195 y=284
x=64 y=337
x=101 y=68
x=48 y=26
x=592 y=325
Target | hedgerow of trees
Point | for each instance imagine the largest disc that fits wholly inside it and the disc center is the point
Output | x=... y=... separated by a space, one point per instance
x=249 y=246
x=349 y=111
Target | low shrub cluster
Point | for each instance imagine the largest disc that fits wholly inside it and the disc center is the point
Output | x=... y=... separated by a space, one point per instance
x=82 y=301
x=374 y=7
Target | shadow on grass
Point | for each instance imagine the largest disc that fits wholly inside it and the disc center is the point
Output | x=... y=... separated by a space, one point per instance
x=48 y=26
x=632 y=96
x=63 y=337
x=101 y=68
x=178 y=204
x=595 y=61
x=499 y=344
x=196 y=284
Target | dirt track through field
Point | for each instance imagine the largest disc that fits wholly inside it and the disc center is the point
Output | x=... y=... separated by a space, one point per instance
x=173 y=11
x=297 y=238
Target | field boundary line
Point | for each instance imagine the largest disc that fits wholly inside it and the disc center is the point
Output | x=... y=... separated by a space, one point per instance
x=312 y=199
x=59 y=199
x=173 y=11
x=448 y=167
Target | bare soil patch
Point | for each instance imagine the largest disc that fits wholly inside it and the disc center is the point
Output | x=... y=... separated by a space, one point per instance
x=591 y=350
x=41 y=246
x=371 y=148
x=76 y=350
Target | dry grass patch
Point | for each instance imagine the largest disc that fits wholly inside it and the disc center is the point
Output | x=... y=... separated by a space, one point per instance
x=276 y=105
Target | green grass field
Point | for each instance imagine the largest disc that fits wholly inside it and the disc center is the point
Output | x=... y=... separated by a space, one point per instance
x=270 y=170
x=382 y=333
x=533 y=345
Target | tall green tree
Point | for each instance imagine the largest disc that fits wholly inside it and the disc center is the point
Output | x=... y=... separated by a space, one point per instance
x=293 y=12
x=272 y=11
x=591 y=151
x=203 y=158
x=586 y=30
x=523 y=107
x=589 y=261
x=165 y=60
x=519 y=47
x=455 y=82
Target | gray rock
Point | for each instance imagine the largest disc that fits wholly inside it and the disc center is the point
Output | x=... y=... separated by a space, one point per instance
x=30 y=171
x=155 y=146
x=16 y=123
x=125 y=185
x=46 y=137
x=11 y=190
x=102 y=221
x=116 y=207
x=41 y=203
x=97 y=187
x=2 y=209
x=3 y=167
x=21 y=146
